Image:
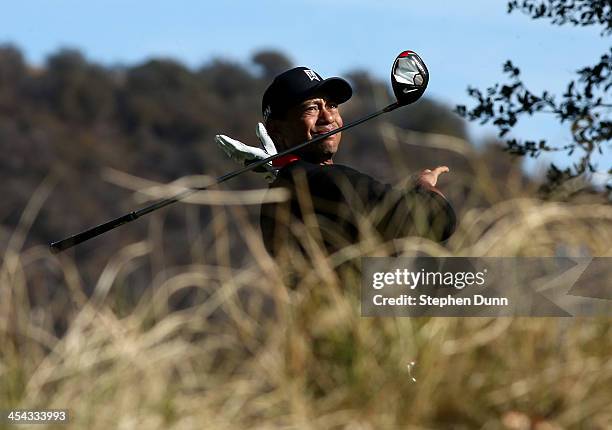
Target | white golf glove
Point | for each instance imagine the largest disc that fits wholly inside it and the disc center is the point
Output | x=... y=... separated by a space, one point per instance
x=243 y=154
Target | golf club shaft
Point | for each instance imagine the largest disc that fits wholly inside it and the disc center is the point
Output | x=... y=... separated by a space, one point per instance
x=71 y=241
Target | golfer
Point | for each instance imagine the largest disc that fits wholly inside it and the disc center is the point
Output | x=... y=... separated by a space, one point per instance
x=347 y=204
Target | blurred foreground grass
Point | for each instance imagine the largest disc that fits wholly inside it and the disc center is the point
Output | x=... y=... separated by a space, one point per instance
x=244 y=351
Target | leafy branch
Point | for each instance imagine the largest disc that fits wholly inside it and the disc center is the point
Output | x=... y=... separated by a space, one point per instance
x=583 y=106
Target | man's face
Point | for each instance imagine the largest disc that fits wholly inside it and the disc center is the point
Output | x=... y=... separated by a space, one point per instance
x=305 y=121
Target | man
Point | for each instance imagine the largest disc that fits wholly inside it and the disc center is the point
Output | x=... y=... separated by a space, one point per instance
x=346 y=204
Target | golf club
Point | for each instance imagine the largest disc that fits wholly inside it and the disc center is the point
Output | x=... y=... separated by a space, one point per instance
x=409 y=79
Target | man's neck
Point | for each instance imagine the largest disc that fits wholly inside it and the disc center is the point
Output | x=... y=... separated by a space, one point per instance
x=323 y=160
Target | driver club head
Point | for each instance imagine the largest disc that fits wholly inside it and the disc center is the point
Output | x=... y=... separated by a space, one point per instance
x=409 y=77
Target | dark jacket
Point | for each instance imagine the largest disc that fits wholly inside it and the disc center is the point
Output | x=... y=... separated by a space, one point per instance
x=343 y=199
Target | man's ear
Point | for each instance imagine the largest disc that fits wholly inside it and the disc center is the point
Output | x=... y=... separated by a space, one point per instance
x=274 y=128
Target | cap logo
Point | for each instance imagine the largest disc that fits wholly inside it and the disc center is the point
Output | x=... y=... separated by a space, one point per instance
x=312 y=75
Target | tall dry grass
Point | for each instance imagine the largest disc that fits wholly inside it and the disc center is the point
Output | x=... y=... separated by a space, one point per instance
x=246 y=351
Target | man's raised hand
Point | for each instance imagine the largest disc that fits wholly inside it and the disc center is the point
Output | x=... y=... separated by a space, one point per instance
x=246 y=154
x=430 y=177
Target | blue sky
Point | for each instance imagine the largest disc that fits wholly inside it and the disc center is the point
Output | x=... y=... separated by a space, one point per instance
x=463 y=43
